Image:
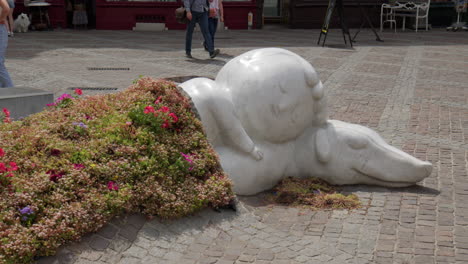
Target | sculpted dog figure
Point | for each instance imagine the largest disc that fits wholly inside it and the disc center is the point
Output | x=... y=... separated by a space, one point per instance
x=266 y=116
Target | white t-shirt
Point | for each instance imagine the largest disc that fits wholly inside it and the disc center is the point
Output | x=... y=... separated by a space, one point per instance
x=215 y=4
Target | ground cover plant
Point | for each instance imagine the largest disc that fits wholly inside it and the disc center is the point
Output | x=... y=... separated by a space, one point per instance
x=313 y=193
x=68 y=170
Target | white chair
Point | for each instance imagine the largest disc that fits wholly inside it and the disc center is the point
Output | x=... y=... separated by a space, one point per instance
x=411 y=9
x=387 y=15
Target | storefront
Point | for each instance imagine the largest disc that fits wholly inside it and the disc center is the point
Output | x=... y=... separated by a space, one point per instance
x=123 y=15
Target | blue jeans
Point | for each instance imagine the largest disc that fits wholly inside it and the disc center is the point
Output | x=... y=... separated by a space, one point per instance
x=5 y=80
x=212 y=26
x=202 y=19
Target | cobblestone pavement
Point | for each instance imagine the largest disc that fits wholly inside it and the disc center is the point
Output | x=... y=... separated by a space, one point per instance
x=412 y=88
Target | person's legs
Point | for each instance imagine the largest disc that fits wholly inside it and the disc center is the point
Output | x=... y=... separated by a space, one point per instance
x=188 y=35
x=211 y=29
x=10 y=22
x=203 y=22
x=5 y=80
x=213 y=26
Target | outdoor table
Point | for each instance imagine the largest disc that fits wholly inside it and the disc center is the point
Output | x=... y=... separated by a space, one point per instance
x=42 y=8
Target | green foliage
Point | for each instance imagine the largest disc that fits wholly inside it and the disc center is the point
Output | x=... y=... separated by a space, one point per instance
x=80 y=163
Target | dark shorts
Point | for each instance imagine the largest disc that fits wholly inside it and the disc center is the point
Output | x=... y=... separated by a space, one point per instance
x=11 y=3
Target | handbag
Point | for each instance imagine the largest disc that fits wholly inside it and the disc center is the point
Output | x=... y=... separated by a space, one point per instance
x=181 y=15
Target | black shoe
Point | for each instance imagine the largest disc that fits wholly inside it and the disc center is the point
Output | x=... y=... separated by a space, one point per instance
x=205 y=46
x=214 y=53
x=188 y=55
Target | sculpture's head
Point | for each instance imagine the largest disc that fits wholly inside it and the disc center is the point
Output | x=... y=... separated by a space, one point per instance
x=276 y=93
x=353 y=154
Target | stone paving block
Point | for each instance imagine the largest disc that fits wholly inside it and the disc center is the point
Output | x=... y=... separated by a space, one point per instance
x=108 y=231
x=120 y=244
x=98 y=243
x=129 y=232
x=129 y=260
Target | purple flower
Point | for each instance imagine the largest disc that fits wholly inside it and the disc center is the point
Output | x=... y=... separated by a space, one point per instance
x=80 y=124
x=26 y=210
x=24 y=218
x=316 y=191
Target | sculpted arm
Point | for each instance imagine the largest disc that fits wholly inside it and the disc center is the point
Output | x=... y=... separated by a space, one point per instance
x=230 y=126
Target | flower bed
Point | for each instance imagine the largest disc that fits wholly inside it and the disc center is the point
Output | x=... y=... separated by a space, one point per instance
x=68 y=170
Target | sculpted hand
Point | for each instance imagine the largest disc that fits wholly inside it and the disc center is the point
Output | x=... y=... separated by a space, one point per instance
x=189 y=15
x=256 y=154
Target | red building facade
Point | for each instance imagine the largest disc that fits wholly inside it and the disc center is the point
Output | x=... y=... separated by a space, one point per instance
x=123 y=15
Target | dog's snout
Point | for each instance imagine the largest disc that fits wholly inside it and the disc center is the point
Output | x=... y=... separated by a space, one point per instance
x=427 y=167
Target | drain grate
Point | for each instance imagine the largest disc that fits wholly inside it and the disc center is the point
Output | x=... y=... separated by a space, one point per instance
x=107 y=69
x=94 y=88
x=181 y=79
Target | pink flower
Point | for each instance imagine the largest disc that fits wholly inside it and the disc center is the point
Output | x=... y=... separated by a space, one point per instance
x=158 y=100
x=6 y=112
x=78 y=166
x=50 y=104
x=55 y=152
x=149 y=109
x=174 y=117
x=164 y=109
x=2 y=167
x=2 y=153
x=13 y=166
x=128 y=123
x=187 y=158
x=78 y=91
x=54 y=175
x=64 y=96
x=112 y=186
x=165 y=124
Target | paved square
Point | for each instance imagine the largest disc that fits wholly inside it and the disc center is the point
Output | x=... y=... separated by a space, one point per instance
x=412 y=88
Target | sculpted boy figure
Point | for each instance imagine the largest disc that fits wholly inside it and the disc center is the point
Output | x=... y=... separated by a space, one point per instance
x=266 y=116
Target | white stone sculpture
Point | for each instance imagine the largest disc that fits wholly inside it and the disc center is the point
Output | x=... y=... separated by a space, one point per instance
x=265 y=114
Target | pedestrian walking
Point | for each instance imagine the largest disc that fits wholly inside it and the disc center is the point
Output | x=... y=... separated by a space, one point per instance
x=197 y=12
x=10 y=26
x=216 y=12
x=5 y=80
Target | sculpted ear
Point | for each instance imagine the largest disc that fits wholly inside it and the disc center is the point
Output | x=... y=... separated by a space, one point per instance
x=322 y=145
